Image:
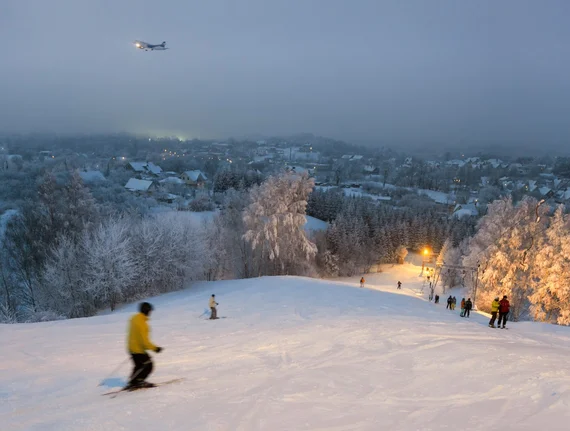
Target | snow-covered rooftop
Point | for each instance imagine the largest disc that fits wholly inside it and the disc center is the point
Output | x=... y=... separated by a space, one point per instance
x=544 y=190
x=138 y=166
x=92 y=176
x=172 y=180
x=195 y=175
x=146 y=167
x=154 y=169
x=136 y=185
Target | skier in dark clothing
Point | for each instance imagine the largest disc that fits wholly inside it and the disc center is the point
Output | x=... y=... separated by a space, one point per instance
x=504 y=308
x=138 y=343
x=437 y=299
x=399 y=284
x=468 y=307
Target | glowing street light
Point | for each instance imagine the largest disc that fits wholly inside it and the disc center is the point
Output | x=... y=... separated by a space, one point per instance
x=425 y=255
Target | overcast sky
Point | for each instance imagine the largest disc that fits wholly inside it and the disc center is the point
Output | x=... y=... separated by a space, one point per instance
x=402 y=70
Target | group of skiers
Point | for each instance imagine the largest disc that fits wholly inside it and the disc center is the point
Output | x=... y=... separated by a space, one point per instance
x=451 y=301
x=138 y=343
x=466 y=305
x=503 y=307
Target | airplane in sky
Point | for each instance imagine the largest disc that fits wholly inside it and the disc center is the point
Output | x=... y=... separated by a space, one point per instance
x=146 y=46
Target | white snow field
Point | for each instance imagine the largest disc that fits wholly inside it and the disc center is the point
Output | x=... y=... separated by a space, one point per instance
x=292 y=354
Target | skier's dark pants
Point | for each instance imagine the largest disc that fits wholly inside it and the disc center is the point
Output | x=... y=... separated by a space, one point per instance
x=466 y=314
x=493 y=318
x=448 y=305
x=503 y=316
x=143 y=366
x=214 y=314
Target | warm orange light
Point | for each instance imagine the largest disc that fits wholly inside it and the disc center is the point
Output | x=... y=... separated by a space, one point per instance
x=426 y=251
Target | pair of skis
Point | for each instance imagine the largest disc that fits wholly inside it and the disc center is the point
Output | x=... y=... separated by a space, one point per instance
x=113 y=394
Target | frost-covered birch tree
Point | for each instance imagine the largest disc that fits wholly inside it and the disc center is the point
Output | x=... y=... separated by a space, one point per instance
x=111 y=266
x=275 y=222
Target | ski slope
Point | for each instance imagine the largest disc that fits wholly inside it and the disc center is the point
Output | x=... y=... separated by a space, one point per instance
x=292 y=354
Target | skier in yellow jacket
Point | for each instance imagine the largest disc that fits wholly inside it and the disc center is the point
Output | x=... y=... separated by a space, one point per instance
x=213 y=305
x=138 y=344
x=494 y=311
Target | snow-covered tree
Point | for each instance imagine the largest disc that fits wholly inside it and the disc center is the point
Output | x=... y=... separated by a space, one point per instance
x=505 y=247
x=550 y=298
x=64 y=280
x=402 y=252
x=81 y=212
x=110 y=264
x=275 y=221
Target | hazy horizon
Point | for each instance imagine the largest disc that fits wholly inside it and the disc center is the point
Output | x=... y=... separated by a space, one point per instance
x=366 y=71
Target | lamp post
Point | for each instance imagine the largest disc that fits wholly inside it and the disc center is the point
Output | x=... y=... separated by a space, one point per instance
x=425 y=254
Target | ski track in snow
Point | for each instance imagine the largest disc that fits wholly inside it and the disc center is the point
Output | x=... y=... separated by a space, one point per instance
x=294 y=354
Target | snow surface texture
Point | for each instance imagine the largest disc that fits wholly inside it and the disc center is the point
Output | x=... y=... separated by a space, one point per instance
x=293 y=354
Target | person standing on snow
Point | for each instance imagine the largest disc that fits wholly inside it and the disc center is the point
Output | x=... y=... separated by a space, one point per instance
x=399 y=284
x=494 y=310
x=453 y=303
x=449 y=302
x=462 y=307
x=468 y=307
x=437 y=299
x=362 y=281
x=213 y=305
x=504 y=308
x=138 y=343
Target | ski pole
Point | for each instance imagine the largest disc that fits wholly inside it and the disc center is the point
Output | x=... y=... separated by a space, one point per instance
x=114 y=371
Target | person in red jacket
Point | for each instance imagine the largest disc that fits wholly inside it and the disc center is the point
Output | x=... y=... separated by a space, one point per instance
x=504 y=308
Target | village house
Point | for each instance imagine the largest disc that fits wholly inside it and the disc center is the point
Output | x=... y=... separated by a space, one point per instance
x=144 y=168
x=194 y=178
x=140 y=186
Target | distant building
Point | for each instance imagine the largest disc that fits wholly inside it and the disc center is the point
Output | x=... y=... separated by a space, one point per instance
x=194 y=178
x=144 y=168
x=465 y=210
x=141 y=186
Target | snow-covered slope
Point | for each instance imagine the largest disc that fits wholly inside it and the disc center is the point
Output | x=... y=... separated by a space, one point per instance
x=292 y=354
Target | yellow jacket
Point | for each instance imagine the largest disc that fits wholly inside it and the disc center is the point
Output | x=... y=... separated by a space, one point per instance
x=138 y=334
x=495 y=306
x=213 y=303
